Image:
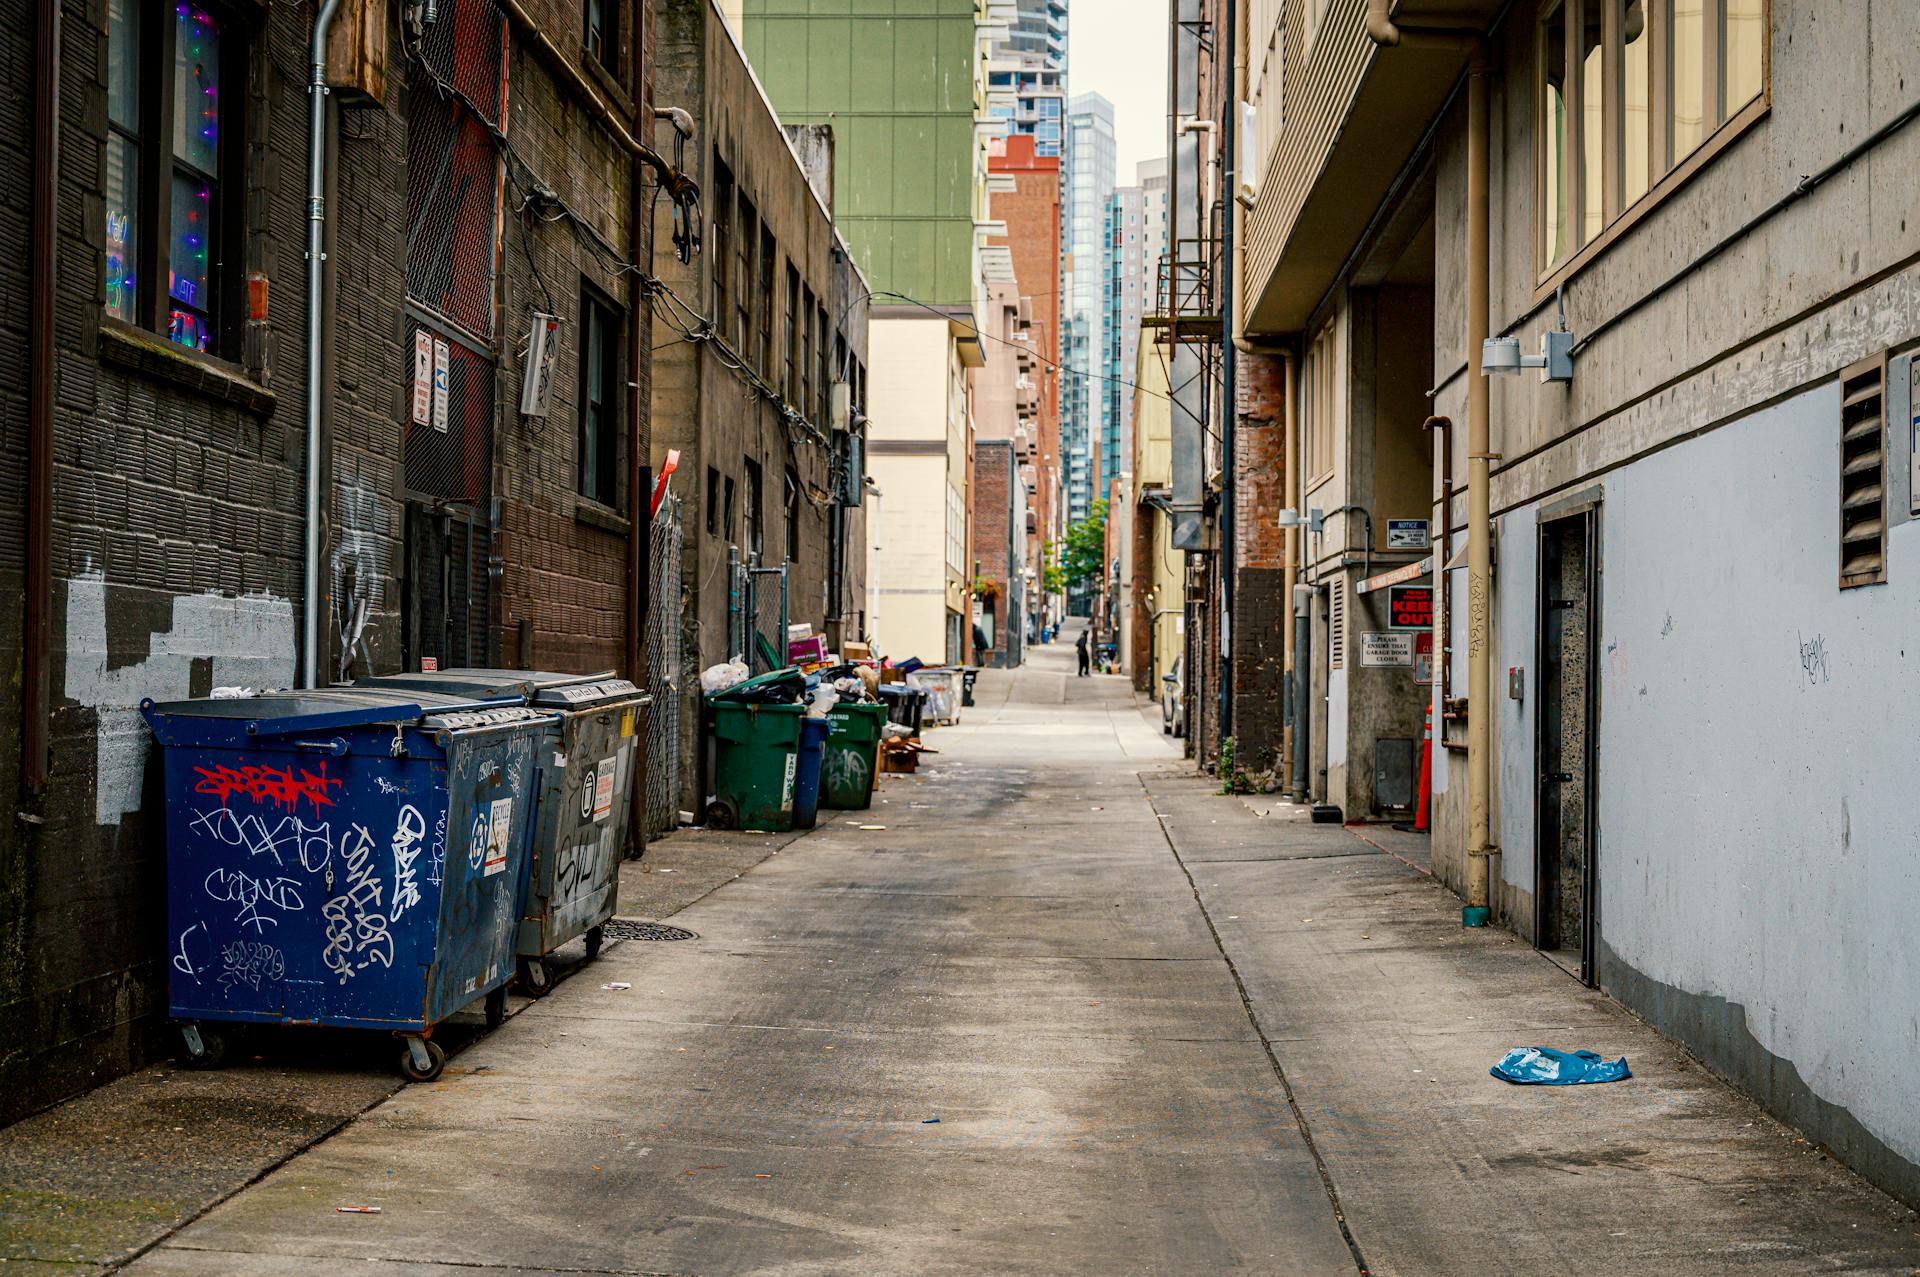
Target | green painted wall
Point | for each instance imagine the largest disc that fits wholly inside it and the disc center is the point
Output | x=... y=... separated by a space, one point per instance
x=895 y=80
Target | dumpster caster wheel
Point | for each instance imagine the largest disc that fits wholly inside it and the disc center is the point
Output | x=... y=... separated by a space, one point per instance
x=413 y=1070
x=595 y=935
x=721 y=815
x=497 y=1007
x=535 y=980
x=206 y=1047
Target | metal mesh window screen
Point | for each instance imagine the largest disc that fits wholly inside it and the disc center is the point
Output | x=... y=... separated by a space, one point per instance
x=455 y=463
x=663 y=672
x=454 y=172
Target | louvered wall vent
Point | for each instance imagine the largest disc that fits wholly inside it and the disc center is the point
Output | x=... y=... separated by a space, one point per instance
x=1337 y=624
x=1863 y=474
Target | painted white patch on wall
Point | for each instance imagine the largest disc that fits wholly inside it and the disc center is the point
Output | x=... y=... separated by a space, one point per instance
x=1515 y=594
x=1758 y=841
x=250 y=640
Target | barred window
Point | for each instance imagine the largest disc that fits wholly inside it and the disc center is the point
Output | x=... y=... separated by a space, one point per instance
x=174 y=202
x=789 y=384
x=456 y=94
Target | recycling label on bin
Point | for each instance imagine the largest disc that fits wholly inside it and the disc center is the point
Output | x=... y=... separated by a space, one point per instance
x=603 y=790
x=487 y=852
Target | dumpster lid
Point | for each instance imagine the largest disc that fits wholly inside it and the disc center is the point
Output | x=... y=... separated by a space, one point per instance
x=589 y=692
x=277 y=713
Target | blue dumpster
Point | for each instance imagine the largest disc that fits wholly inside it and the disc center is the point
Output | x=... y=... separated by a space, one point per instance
x=806 y=772
x=344 y=858
x=585 y=788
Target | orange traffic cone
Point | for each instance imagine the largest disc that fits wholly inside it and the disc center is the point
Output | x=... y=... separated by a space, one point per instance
x=1425 y=811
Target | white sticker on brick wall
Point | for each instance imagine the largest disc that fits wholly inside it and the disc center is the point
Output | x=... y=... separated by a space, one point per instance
x=248 y=642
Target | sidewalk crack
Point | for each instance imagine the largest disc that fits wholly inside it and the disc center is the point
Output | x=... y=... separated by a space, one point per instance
x=1273 y=1059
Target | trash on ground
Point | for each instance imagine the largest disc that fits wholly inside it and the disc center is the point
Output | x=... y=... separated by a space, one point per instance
x=1544 y=1066
x=356 y=1210
x=873 y=826
x=616 y=985
x=929 y=1121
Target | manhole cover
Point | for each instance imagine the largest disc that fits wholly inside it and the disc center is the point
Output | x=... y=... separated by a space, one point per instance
x=622 y=929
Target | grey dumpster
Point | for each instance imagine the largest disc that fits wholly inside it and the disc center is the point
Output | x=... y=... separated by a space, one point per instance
x=585 y=782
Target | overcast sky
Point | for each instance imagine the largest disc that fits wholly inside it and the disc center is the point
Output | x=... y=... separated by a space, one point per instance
x=1119 y=48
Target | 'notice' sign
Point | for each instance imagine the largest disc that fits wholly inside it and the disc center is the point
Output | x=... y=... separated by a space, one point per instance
x=1410 y=607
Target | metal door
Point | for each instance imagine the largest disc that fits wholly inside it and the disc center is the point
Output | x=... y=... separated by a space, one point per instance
x=1566 y=739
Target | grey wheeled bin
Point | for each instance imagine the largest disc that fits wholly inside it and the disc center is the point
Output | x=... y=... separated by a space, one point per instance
x=585 y=783
x=343 y=857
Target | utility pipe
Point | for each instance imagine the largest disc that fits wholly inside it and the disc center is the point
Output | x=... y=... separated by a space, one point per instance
x=1442 y=428
x=44 y=263
x=1290 y=498
x=316 y=320
x=639 y=547
x=1478 y=911
x=1229 y=389
x=1480 y=850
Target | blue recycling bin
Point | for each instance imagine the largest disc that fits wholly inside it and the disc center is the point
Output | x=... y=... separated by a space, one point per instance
x=585 y=785
x=806 y=772
x=345 y=858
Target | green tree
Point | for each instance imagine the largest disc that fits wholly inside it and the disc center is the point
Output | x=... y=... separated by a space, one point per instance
x=1055 y=576
x=1086 y=554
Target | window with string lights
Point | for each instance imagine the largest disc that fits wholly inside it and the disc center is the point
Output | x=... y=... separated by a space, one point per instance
x=175 y=80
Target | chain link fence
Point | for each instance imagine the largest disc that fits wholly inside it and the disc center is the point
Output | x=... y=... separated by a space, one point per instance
x=767 y=610
x=664 y=673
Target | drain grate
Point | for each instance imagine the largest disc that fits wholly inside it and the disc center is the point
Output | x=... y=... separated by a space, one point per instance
x=622 y=929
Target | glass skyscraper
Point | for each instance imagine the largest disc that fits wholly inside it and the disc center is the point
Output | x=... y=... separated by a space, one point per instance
x=1084 y=394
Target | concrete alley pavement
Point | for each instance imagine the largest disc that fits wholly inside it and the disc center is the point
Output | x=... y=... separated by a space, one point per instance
x=1061 y=1011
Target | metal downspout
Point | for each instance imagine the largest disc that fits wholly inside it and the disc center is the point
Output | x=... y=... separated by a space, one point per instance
x=1480 y=850
x=35 y=691
x=639 y=442
x=1290 y=539
x=316 y=307
x=1229 y=370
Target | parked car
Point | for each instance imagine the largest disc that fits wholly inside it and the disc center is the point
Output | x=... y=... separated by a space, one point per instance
x=1173 y=699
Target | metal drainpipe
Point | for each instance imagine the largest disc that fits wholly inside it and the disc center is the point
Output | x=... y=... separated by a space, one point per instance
x=1477 y=912
x=1290 y=496
x=35 y=694
x=316 y=271
x=1229 y=370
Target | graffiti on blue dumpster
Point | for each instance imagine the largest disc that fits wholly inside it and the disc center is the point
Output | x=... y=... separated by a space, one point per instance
x=263 y=783
x=408 y=833
x=249 y=962
x=182 y=960
x=282 y=839
x=356 y=925
x=261 y=901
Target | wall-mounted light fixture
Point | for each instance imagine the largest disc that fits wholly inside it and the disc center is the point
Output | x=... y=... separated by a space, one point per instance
x=1555 y=360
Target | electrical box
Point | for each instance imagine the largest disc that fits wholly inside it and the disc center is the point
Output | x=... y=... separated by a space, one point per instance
x=536 y=381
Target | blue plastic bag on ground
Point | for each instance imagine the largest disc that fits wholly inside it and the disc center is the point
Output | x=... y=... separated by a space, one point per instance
x=1544 y=1066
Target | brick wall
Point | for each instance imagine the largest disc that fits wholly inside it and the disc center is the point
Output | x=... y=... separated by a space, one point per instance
x=562 y=600
x=991 y=523
x=1261 y=612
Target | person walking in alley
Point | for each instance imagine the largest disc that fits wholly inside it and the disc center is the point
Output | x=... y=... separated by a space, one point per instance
x=1080 y=646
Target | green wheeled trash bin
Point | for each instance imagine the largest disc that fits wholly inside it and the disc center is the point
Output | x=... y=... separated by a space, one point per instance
x=756 y=762
x=585 y=785
x=853 y=755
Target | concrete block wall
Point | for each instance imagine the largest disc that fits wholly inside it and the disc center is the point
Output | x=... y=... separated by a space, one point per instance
x=563 y=596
